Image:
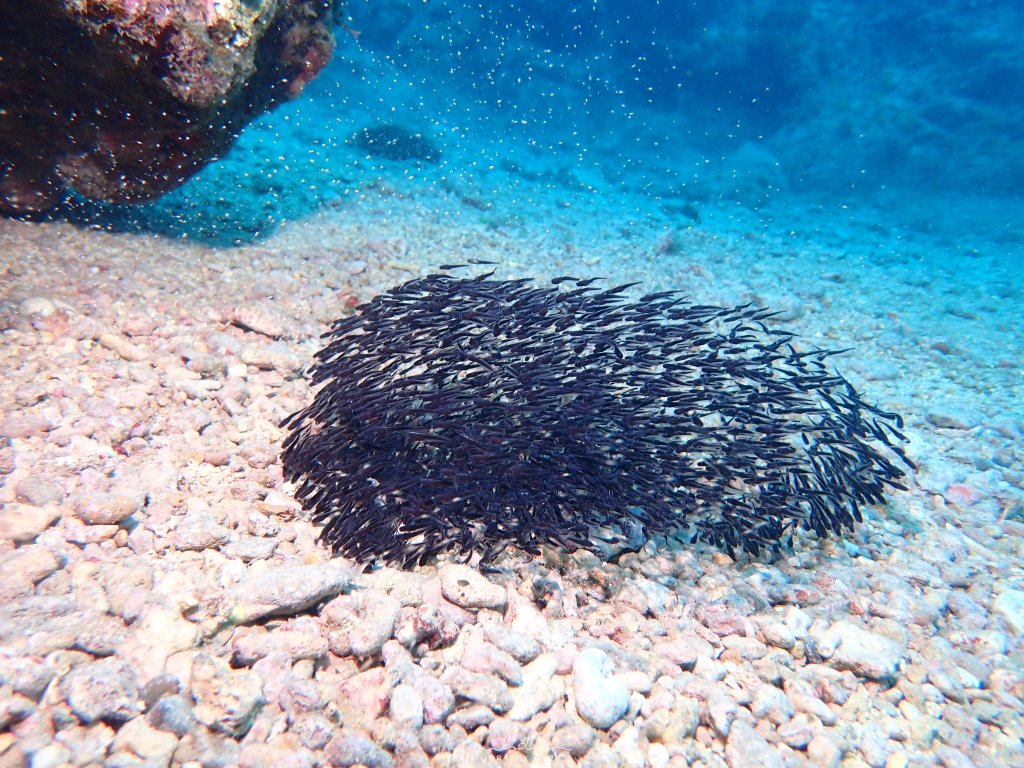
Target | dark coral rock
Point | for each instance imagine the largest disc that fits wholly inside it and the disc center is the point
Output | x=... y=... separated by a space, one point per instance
x=393 y=142
x=471 y=414
x=123 y=100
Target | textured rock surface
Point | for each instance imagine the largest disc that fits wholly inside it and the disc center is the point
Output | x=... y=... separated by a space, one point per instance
x=122 y=100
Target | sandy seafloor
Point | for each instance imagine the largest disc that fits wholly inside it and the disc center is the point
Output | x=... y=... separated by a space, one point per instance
x=146 y=532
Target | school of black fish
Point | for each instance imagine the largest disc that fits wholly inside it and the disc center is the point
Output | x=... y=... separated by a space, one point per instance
x=468 y=415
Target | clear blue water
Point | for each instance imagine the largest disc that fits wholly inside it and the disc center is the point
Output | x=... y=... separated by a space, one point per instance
x=915 y=103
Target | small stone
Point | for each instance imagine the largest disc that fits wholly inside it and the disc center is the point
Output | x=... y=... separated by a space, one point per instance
x=406 y=707
x=746 y=748
x=102 y=690
x=953 y=417
x=438 y=699
x=154 y=746
x=353 y=747
x=522 y=648
x=481 y=656
x=721 y=712
x=22 y=426
x=862 y=652
x=251 y=647
x=199 y=530
x=486 y=689
x=778 y=634
x=37 y=305
x=468 y=589
x=227 y=700
x=600 y=698
x=823 y=752
x=538 y=691
x=26 y=676
x=285 y=591
x=108 y=510
x=275 y=356
x=31 y=563
x=504 y=734
x=22 y=523
x=275 y=756
x=771 y=704
x=360 y=625
x=576 y=739
x=1010 y=605
x=172 y=714
x=249 y=548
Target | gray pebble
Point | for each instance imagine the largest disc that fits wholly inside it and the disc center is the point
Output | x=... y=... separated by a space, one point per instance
x=313 y=729
x=227 y=700
x=26 y=676
x=471 y=717
x=23 y=523
x=469 y=589
x=406 y=707
x=438 y=699
x=575 y=739
x=862 y=652
x=538 y=690
x=172 y=714
x=485 y=689
x=353 y=747
x=522 y=647
x=747 y=748
x=199 y=530
x=102 y=690
x=953 y=417
x=504 y=734
x=285 y=591
x=249 y=548
x=770 y=703
x=1010 y=605
x=253 y=646
x=600 y=698
x=275 y=756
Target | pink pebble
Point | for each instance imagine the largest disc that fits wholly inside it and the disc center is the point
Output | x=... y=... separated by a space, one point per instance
x=961 y=494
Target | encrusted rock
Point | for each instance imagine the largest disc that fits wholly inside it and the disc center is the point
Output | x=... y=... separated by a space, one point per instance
x=227 y=700
x=167 y=86
x=102 y=690
x=600 y=698
x=467 y=588
x=285 y=591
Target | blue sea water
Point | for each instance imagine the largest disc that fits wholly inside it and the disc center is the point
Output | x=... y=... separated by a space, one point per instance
x=755 y=103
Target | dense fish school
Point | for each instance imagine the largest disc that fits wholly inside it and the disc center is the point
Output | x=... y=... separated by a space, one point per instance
x=467 y=415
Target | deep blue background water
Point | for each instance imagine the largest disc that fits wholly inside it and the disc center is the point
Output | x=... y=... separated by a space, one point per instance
x=916 y=105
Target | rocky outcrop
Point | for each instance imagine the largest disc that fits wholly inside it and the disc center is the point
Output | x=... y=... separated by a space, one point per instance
x=123 y=100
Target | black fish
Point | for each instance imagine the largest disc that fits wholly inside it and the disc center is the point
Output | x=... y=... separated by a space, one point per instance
x=471 y=414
